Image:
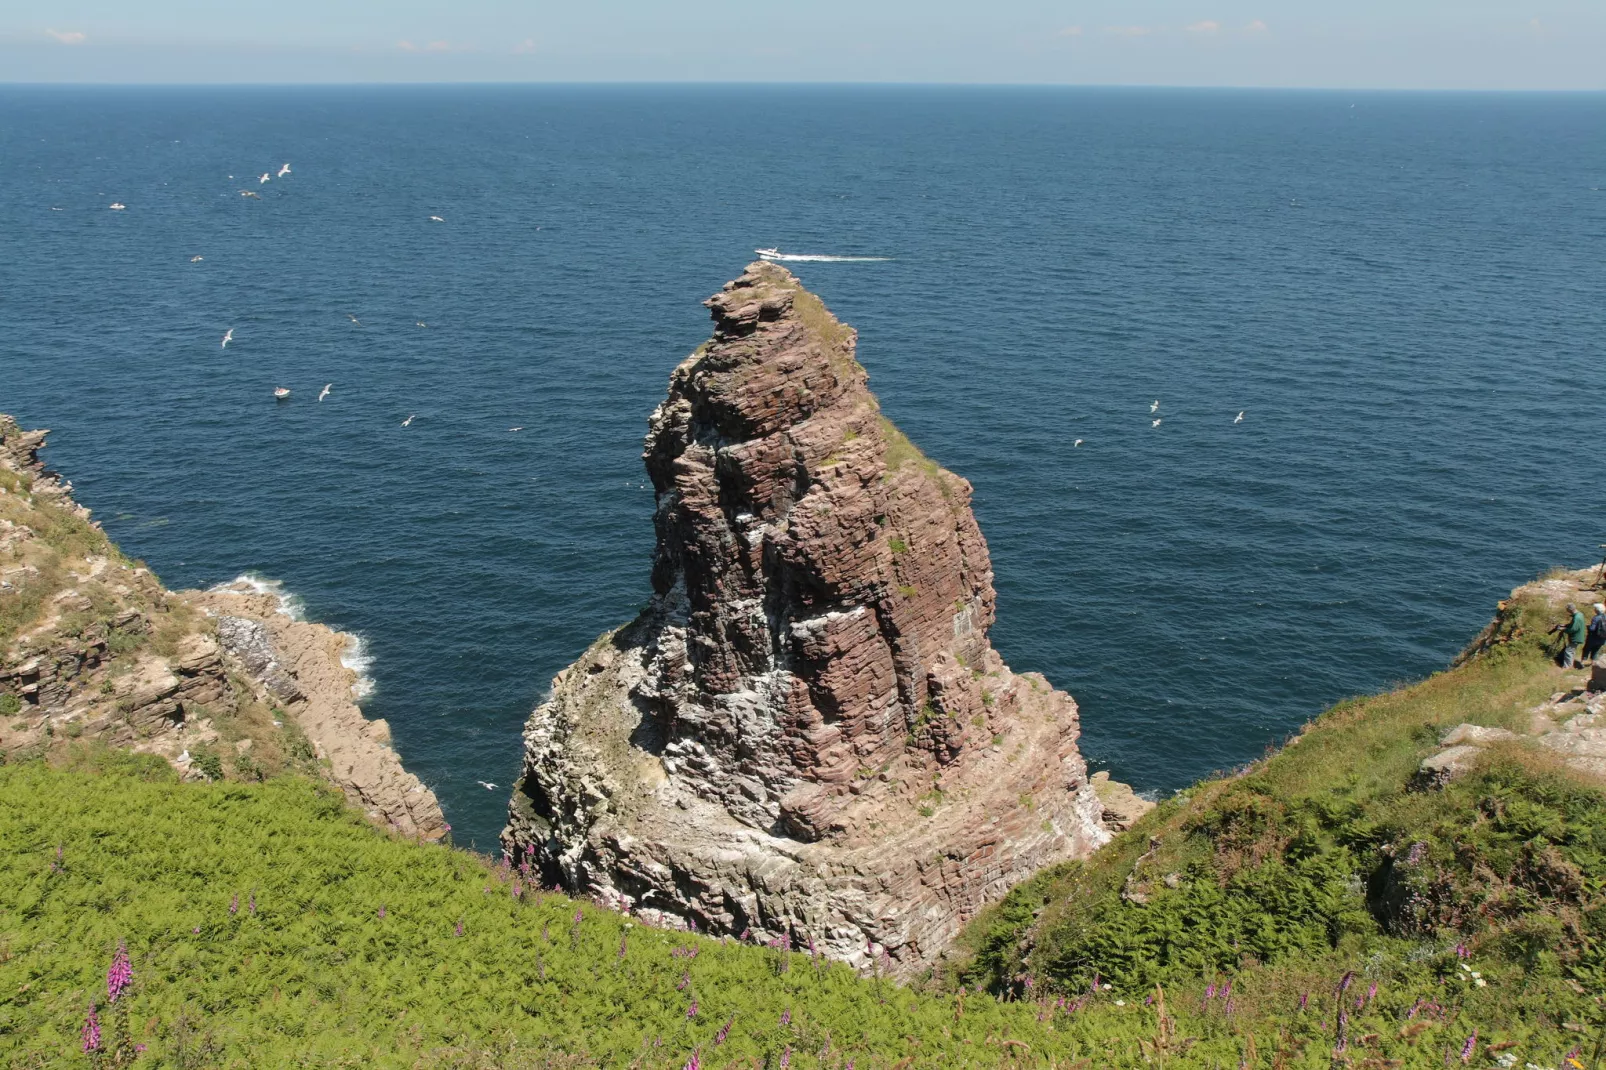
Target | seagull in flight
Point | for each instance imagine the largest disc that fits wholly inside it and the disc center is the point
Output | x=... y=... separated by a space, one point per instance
x=1075 y=444
x=285 y=170
x=264 y=178
x=1240 y=417
x=325 y=391
x=486 y=784
x=196 y=259
x=1157 y=422
x=228 y=336
x=409 y=419
x=354 y=319
x=436 y=219
x=1155 y=407
x=421 y=323
x=519 y=428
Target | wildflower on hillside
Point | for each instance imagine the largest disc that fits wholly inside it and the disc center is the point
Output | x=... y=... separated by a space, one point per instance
x=91 y=1031
x=1210 y=992
x=623 y=938
x=518 y=890
x=1343 y=1033
x=724 y=1031
x=544 y=934
x=253 y=905
x=381 y=910
x=1344 y=983
x=685 y=979
x=786 y=1017
x=459 y=930
x=234 y=904
x=196 y=929
x=786 y=1057
x=1371 y=993
x=694 y=1063
x=1304 y=998
x=56 y=866
x=1469 y=1047
x=120 y=974
x=745 y=934
x=1226 y=1009
x=691 y=1011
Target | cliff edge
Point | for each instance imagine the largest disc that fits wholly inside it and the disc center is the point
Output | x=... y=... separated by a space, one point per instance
x=806 y=736
x=219 y=683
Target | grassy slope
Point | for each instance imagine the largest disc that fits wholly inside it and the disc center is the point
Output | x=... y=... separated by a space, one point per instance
x=315 y=976
x=1318 y=861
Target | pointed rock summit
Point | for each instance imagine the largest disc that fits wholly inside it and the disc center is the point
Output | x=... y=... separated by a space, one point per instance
x=806 y=734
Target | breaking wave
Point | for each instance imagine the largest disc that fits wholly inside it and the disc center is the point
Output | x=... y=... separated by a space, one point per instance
x=356 y=658
x=290 y=604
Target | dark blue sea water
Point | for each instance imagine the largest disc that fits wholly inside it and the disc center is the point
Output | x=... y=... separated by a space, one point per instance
x=1404 y=294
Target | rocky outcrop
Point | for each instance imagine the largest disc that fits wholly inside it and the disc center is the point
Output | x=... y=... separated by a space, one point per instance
x=1570 y=724
x=93 y=647
x=298 y=666
x=806 y=735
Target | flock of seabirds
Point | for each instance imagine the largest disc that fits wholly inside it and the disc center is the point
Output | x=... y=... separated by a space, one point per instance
x=282 y=393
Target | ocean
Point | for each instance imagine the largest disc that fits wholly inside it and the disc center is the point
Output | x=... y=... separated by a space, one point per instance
x=1404 y=294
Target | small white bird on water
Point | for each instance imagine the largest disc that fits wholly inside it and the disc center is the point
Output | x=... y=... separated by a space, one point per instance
x=285 y=170
x=1157 y=422
x=421 y=323
x=436 y=219
x=196 y=259
x=519 y=428
x=354 y=319
x=118 y=206
x=486 y=784
x=228 y=336
x=325 y=391
x=1075 y=444
x=409 y=420
x=250 y=193
x=264 y=178
x=1155 y=407
x=1240 y=417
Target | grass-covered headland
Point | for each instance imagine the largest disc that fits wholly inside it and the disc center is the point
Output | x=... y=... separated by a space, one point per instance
x=1315 y=910
x=1326 y=908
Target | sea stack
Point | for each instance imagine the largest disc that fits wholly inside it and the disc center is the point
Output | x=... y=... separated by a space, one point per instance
x=806 y=735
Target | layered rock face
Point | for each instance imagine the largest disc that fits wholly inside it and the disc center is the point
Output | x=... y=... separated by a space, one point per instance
x=93 y=647
x=806 y=734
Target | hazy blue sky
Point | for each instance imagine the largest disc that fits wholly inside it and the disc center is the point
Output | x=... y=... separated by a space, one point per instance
x=1481 y=44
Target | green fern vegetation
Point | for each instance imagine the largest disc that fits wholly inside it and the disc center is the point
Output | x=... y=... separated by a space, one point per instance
x=268 y=925
x=1358 y=922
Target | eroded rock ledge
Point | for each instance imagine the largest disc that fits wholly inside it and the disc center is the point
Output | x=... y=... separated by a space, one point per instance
x=93 y=647
x=806 y=734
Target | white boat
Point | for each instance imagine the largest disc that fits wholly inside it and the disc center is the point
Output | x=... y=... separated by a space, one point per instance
x=281 y=392
x=768 y=254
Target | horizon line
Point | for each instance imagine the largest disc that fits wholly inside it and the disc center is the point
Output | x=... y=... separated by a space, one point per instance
x=818 y=84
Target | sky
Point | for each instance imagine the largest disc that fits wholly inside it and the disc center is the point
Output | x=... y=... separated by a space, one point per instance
x=1346 y=44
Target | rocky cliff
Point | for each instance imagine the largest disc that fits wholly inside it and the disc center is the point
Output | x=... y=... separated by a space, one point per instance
x=219 y=683
x=806 y=735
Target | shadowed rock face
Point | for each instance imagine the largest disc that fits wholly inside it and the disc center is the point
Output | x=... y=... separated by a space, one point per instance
x=806 y=733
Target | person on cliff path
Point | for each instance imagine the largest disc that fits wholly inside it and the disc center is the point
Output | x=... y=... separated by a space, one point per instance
x=1597 y=632
x=1573 y=633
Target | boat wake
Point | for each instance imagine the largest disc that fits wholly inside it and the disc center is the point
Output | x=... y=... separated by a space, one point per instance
x=817 y=258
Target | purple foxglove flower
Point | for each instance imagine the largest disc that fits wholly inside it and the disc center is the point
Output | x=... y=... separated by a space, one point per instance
x=91 y=1031
x=724 y=1031
x=1347 y=980
x=459 y=929
x=253 y=905
x=622 y=944
x=120 y=974
x=786 y=1017
x=685 y=979
x=786 y=1057
x=234 y=904
x=691 y=1011
x=1228 y=1008
x=381 y=910
x=1210 y=992
x=1469 y=1047
x=694 y=1063
x=1304 y=998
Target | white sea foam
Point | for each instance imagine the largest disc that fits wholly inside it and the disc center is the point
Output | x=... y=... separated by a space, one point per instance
x=356 y=658
x=290 y=604
x=821 y=258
